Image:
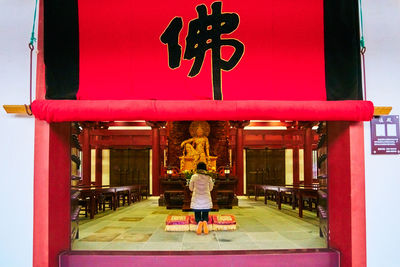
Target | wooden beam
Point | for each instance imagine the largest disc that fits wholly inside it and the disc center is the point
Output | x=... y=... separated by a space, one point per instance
x=273 y=132
x=269 y=124
x=123 y=147
x=127 y=123
x=105 y=132
x=139 y=141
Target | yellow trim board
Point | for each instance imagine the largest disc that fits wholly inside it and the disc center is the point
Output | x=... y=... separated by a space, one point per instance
x=18 y=109
x=380 y=111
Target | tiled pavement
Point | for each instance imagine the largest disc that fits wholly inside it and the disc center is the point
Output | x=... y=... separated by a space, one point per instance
x=141 y=227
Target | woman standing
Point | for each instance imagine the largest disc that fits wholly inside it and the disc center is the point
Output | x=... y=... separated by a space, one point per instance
x=201 y=184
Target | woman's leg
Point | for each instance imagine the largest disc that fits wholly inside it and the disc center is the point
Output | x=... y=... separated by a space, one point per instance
x=204 y=216
x=197 y=216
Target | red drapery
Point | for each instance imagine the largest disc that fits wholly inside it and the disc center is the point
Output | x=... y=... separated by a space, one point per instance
x=122 y=56
x=112 y=110
x=124 y=72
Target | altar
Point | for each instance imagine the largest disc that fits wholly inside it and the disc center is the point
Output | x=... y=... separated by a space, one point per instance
x=191 y=142
x=175 y=194
x=189 y=164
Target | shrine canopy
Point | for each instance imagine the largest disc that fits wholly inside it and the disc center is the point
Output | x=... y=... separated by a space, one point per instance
x=182 y=60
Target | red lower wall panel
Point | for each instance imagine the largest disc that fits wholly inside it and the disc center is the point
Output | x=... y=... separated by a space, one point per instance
x=297 y=258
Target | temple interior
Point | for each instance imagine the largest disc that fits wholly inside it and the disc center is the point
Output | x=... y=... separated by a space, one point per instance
x=128 y=177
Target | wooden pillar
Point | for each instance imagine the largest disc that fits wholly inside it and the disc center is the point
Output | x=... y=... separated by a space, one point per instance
x=156 y=156
x=346 y=198
x=86 y=158
x=239 y=160
x=296 y=166
x=156 y=159
x=233 y=155
x=239 y=125
x=308 y=157
x=99 y=166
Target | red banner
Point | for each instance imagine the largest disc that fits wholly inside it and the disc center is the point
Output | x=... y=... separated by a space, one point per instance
x=256 y=50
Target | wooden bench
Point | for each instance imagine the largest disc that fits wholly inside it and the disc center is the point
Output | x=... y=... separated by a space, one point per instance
x=93 y=198
x=298 y=195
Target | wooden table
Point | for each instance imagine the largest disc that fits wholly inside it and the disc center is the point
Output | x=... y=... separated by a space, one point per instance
x=302 y=192
x=88 y=193
x=265 y=189
x=110 y=191
x=123 y=191
x=283 y=190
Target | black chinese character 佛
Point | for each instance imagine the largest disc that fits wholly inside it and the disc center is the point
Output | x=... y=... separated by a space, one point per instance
x=205 y=34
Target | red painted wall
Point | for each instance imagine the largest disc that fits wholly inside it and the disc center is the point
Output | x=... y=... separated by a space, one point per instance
x=51 y=229
x=346 y=185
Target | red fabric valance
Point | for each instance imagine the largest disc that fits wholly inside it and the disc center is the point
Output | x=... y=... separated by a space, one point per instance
x=165 y=110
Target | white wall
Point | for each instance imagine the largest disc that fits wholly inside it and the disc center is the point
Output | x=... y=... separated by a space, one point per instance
x=16 y=135
x=382 y=34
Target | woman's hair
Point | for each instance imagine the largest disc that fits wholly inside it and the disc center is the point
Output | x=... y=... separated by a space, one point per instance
x=201 y=166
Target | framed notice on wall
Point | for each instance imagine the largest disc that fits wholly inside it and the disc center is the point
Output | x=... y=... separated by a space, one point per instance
x=385 y=135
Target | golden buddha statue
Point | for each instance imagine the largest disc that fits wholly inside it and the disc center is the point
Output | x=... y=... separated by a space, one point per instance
x=197 y=148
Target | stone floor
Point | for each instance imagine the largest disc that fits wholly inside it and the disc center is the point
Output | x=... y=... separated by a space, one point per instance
x=141 y=227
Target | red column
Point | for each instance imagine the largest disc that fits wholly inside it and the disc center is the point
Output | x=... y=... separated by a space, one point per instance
x=239 y=153
x=52 y=174
x=51 y=216
x=233 y=152
x=99 y=166
x=156 y=159
x=156 y=156
x=308 y=158
x=296 y=166
x=86 y=158
x=346 y=198
x=239 y=160
x=52 y=170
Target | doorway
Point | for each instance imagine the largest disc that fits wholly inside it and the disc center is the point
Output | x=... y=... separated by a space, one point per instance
x=265 y=166
x=129 y=166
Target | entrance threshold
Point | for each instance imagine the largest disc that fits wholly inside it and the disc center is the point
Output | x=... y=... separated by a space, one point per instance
x=265 y=258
